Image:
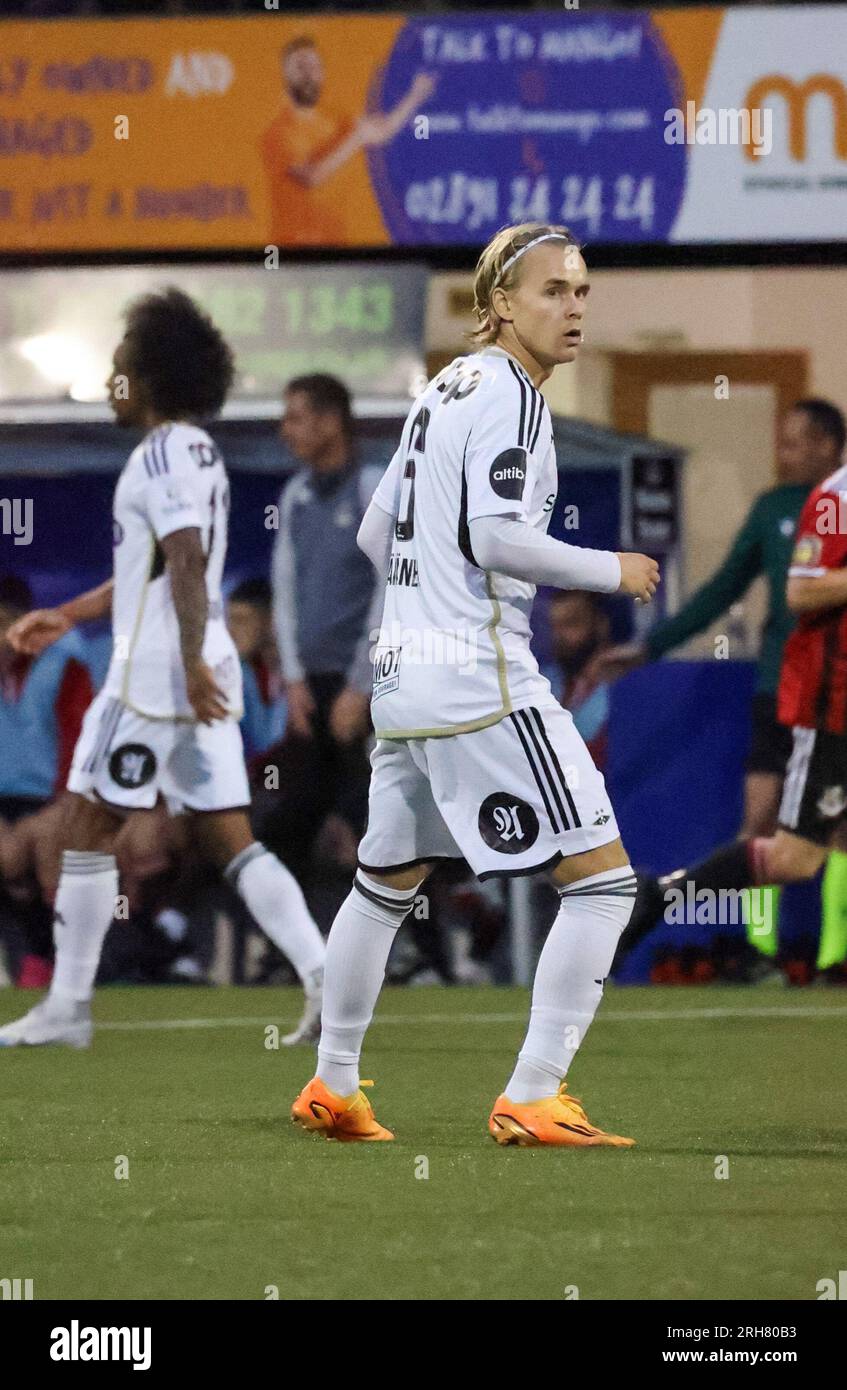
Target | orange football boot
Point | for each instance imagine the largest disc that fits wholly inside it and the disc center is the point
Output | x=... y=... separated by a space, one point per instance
x=348 y=1118
x=558 y=1119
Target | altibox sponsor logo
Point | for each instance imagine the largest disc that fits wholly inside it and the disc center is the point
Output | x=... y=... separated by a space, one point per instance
x=75 y=1343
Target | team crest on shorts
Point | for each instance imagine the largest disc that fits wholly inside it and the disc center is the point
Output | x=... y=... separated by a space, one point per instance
x=132 y=765
x=507 y=824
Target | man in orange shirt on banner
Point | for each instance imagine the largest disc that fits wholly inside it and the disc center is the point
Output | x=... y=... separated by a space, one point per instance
x=307 y=143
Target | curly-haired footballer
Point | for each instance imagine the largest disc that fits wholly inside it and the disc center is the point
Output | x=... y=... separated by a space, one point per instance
x=166 y=721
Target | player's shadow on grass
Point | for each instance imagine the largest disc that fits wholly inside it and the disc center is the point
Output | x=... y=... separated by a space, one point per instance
x=258 y=1124
x=835 y=1148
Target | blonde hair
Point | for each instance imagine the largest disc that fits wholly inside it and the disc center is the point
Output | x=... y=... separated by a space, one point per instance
x=489 y=274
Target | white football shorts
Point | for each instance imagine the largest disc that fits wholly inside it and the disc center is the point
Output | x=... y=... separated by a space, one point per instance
x=128 y=760
x=513 y=798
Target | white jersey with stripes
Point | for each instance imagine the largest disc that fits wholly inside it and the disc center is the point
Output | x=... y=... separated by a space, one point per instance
x=174 y=479
x=453 y=653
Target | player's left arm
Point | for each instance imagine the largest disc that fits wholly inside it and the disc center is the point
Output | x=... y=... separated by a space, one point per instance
x=817 y=575
x=370 y=130
x=376 y=532
x=500 y=473
x=166 y=500
x=393 y=121
x=827 y=590
x=186 y=564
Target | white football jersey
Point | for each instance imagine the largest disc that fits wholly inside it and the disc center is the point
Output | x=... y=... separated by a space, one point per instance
x=453 y=653
x=174 y=479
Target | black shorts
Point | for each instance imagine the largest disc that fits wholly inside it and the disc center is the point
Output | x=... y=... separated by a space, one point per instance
x=771 y=745
x=814 y=797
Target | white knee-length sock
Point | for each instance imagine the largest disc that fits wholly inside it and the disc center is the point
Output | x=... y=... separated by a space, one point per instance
x=569 y=979
x=356 y=956
x=85 y=906
x=273 y=896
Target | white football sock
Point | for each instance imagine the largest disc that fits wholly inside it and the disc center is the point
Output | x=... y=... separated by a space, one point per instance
x=275 y=899
x=85 y=906
x=569 y=979
x=357 y=952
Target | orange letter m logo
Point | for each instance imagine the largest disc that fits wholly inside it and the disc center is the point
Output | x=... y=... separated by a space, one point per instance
x=796 y=95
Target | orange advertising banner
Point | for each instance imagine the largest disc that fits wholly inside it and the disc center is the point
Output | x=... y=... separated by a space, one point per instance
x=689 y=126
x=185 y=133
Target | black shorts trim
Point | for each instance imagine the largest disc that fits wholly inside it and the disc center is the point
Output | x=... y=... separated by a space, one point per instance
x=814 y=835
x=409 y=863
x=771 y=742
x=93 y=797
x=522 y=873
x=109 y=720
x=814 y=797
x=562 y=778
x=546 y=769
x=556 y=828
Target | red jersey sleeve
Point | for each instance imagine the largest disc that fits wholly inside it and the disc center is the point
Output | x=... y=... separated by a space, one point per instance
x=820 y=542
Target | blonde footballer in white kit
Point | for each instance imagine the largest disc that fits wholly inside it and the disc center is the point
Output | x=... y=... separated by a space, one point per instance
x=474 y=757
x=166 y=721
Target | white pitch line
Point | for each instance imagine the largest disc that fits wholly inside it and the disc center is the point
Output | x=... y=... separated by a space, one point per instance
x=621 y=1016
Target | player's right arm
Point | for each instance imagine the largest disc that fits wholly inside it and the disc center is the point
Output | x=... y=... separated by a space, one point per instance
x=376 y=533
x=375 y=538
x=35 y=631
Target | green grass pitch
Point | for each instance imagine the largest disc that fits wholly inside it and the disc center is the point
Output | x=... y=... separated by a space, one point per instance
x=225 y=1198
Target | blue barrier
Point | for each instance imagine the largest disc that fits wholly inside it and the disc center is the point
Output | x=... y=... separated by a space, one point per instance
x=679 y=732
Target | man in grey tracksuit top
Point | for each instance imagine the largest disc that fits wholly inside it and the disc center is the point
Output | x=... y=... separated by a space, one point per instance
x=324 y=605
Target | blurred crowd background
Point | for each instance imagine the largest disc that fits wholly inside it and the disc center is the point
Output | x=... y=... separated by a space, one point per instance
x=302 y=631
